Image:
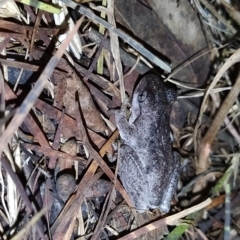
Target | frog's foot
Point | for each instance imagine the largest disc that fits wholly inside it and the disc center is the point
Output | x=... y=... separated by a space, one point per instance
x=125 y=104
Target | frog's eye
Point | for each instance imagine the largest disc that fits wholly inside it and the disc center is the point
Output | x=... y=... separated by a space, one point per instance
x=142 y=96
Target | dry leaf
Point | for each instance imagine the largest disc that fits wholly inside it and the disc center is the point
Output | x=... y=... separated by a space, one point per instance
x=171 y=28
x=90 y=112
x=9 y=9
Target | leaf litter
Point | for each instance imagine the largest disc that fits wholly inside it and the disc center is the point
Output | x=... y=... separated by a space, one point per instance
x=59 y=79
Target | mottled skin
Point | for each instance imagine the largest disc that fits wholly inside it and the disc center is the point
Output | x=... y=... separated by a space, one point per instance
x=149 y=169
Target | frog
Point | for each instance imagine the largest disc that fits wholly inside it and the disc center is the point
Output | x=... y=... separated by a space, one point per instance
x=148 y=167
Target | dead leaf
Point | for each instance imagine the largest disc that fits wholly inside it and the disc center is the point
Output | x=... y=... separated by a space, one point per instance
x=170 y=28
x=9 y=9
x=91 y=114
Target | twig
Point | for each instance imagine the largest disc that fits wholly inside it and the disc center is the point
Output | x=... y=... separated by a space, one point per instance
x=217 y=15
x=206 y=142
x=171 y=220
x=127 y=58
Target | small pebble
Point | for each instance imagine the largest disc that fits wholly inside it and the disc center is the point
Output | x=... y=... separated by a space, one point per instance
x=65 y=186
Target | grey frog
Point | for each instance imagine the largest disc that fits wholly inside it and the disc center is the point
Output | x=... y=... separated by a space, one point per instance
x=149 y=169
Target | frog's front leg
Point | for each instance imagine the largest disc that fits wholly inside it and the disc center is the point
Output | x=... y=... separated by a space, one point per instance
x=125 y=128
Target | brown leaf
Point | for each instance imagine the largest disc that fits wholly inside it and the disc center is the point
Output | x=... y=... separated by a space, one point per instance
x=172 y=30
x=69 y=128
x=91 y=114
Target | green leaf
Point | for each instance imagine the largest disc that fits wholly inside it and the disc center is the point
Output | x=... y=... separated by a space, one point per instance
x=41 y=5
x=177 y=232
x=219 y=185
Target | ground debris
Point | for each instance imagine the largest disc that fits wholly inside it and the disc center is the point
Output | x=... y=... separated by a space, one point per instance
x=62 y=79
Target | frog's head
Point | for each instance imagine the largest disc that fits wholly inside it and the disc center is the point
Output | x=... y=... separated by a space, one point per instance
x=151 y=94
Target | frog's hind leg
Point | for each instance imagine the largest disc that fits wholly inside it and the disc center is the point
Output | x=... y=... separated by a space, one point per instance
x=171 y=188
x=133 y=178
